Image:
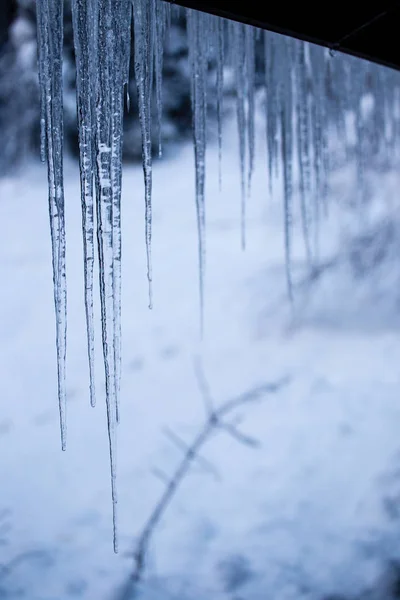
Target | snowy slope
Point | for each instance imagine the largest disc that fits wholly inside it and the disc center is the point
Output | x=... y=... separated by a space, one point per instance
x=305 y=514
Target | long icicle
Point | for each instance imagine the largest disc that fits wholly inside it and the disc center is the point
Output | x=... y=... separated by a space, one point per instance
x=271 y=104
x=198 y=63
x=316 y=114
x=50 y=26
x=303 y=144
x=220 y=57
x=105 y=225
x=42 y=37
x=286 y=118
x=82 y=18
x=324 y=133
x=143 y=68
x=238 y=45
x=250 y=39
x=160 y=24
x=121 y=11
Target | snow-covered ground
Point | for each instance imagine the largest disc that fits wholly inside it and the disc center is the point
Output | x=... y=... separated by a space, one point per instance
x=311 y=511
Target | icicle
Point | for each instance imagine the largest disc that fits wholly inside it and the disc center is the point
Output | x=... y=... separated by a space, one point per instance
x=143 y=61
x=303 y=144
x=83 y=23
x=161 y=24
x=102 y=40
x=50 y=27
x=250 y=88
x=238 y=48
x=271 y=102
x=317 y=113
x=338 y=99
x=197 y=57
x=42 y=42
x=220 y=57
x=286 y=119
x=122 y=11
x=168 y=12
x=381 y=96
x=325 y=130
x=358 y=92
x=108 y=96
x=126 y=49
x=347 y=102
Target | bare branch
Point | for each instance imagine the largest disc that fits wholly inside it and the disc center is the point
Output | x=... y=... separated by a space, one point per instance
x=213 y=422
x=247 y=440
x=175 y=439
x=203 y=385
x=181 y=444
x=160 y=475
x=254 y=395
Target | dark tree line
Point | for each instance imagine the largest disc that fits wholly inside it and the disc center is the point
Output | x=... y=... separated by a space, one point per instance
x=19 y=97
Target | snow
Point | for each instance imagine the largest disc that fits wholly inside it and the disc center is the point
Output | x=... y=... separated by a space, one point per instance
x=302 y=516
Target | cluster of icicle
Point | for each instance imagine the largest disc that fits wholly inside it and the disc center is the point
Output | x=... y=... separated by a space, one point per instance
x=306 y=90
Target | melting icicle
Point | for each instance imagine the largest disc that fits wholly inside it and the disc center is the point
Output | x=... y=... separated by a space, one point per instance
x=250 y=33
x=144 y=53
x=109 y=93
x=42 y=42
x=316 y=65
x=168 y=12
x=357 y=82
x=271 y=102
x=122 y=12
x=286 y=116
x=160 y=24
x=220 y=57
x=238 y=47
x=338 y=100
x=197 y=38
x=324 y=140
x=50 y=27
x=83 y=24
x=126 y=49
x=303 y=144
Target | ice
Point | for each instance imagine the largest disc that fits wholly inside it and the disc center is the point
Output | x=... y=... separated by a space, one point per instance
x=50 y=47
x=237 y=40
x=250 y=39
x=304 y=145
x=83 y=22
x=143 y=18
x=286 y=117
x=220 y=58
x=197 y=38
x=308 y=94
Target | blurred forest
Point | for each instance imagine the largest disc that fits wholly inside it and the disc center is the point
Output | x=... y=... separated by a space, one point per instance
x=19 y=96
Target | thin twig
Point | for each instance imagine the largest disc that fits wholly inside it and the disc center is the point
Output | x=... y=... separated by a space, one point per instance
x=203 y=385
x=243 y=438
x=160 y=475
x=213 y=421
x=182 y=445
